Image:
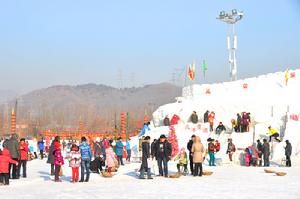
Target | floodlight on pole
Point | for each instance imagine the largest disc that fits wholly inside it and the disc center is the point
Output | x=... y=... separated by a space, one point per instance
x=231 y=18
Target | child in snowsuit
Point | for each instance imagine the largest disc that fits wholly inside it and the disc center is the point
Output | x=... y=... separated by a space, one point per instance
x=74 y=158
x=5 y=160
x=247 y=157
x=58 y=161
x=183 y=160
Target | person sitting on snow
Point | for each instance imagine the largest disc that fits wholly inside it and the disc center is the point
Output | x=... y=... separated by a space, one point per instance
x=273 y=133
x=220 y=128
x=183 y=160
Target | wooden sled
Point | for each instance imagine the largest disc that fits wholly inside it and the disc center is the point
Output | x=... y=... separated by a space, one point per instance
x=207 y=173
x=269 y=171
x=106 y=174
x=280 y=173
x=175 y=175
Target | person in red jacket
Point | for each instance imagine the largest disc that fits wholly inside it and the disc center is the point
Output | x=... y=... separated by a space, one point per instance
x=5 y=160
x=23 y=159
x=211 y=118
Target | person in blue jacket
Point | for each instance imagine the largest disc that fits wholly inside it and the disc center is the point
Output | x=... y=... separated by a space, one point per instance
x=86 y=157
x=119 y=151
x=41 y=147
x=128 y=149
x=144 y=129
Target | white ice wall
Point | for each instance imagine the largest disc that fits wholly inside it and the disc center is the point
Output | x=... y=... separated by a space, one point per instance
x=267 y=98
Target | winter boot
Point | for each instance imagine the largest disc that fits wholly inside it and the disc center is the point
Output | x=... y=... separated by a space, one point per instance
x=142 y=174
x=149 y=174
x=87 y=178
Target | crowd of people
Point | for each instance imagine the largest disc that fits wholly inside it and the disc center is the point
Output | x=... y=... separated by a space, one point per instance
x=240 y=124
x=105 y=156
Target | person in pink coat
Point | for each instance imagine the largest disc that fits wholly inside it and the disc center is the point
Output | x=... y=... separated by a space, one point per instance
x=58 y=161
x=110 y=157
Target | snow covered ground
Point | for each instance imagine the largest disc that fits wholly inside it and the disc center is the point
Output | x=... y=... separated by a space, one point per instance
x=226 y=182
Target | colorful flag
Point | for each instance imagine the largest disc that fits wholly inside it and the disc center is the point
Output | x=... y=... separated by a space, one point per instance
x=204 y=67
x=191 y=71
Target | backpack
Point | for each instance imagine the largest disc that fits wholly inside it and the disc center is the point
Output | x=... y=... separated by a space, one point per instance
x=218 y=147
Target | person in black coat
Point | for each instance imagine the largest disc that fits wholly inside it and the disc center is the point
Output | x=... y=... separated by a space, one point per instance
x=205 y=117
x=153 y=150
x=189 y=147
x=50 y=159
x=98 y=154
x=220 y=128
x=238 y=122
x=288 y=153
x=266 y=153
x=259 y=147
x=163 y=155
x=145 y=157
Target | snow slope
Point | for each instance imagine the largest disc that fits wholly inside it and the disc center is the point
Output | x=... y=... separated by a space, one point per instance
x=267 y=97
x=227 y=182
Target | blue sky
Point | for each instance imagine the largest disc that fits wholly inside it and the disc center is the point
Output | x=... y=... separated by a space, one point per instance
x=44 y=43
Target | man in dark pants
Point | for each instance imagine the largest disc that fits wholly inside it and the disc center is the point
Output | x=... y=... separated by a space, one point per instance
x=239 y=122
x=205 y=117
x=189 y=147
x=23 y=157
x=86 y=156
x=163 y=155
x=288 y=153
x=153 y=149
x=266 y=152
x=145 y=157
x=98 y=154
x=51 y=155
x=259 y=147
x=14 y=150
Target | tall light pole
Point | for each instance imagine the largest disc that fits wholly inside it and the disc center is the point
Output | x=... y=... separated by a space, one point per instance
x=231 y=18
